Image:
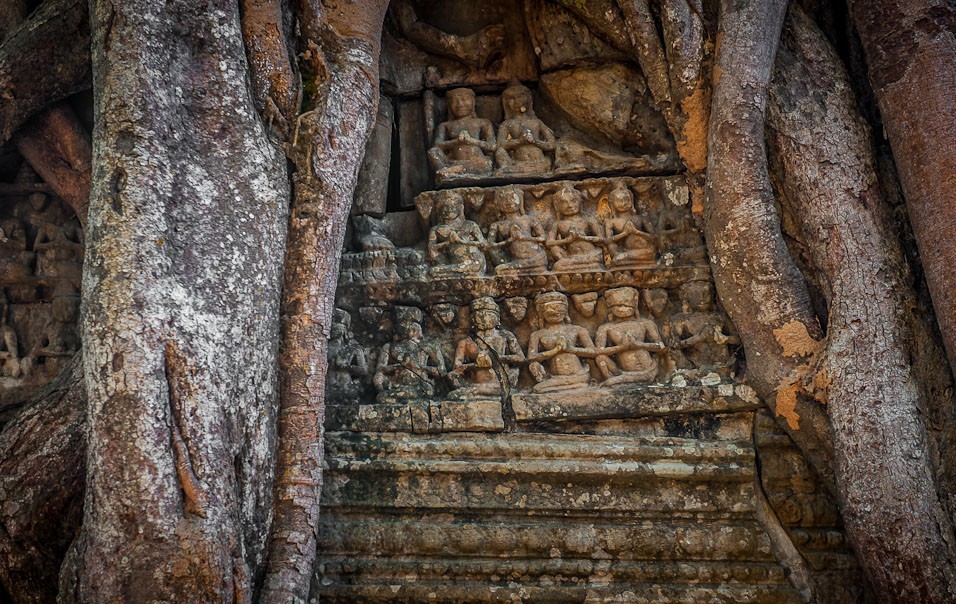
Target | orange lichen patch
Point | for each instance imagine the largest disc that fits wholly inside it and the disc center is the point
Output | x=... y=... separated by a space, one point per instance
x=821 y=385
x=786 y=403
x=692 y=144
x=795 y=340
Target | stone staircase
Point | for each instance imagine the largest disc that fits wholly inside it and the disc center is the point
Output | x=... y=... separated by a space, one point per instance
x=652 y=509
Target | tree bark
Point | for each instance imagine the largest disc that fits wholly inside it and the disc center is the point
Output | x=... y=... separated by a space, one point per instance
x=41 y=484
x=903 y=537
x=758 y=283
x=43 y=60
x=343 y=42
x=180 y=317
x=275 y=80
x=910 y=50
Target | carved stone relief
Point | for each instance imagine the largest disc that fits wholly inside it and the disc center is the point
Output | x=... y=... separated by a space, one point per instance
x=41 y=261
x=533 y=290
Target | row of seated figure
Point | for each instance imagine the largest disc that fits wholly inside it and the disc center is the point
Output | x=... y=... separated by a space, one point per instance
x=625 y=349
x=466 y=144
x=58 y=340
x=518 y=243
x=56 y=252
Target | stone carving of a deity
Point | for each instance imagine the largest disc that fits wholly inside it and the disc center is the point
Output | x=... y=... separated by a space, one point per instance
x=59 y=340
x=59 y=250
x=625 y=343
x=574 y=240
x=408 y=365
x=629 y=242
x=700 y=336
x=486 y=362
x=557 y=349
x=16 y=261
x=9 y=347
x=464 y=143
x=347 y=362
x=678 y=235
x=525 y=143
x=456 y=247
x=516 y=240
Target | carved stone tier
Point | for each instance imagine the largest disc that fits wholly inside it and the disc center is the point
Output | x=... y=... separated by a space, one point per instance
x=574 y=161
x=659 y=512
x=356 y=289
x=632 y=401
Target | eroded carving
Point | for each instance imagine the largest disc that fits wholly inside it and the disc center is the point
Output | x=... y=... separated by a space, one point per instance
x=575 y=240
x=516 y=240
x=626 y=342
x=465 y=143
x=557 y=349
x=486 y=362
x=525 y=144
x=456 y=246
x=410 y=364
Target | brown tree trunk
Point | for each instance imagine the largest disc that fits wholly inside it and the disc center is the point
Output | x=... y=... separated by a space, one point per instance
x=911 y=55
x=327 y=147
x=180 y=317
x=43 y=60
x=274 y=77
x=57 y=146
x=758 y=283
x=42 y=478
x=902 y=536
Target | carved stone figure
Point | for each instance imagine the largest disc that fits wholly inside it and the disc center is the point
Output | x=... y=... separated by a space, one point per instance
x=629 y=242
x=574 y=241
x=678 y=235
x=556 y=350
x=463 y=144
x=485 y=363
x=367 y=237
x=16 y=261
x=347 y=362
x=516 y=240
x=408 y=365
x=624 y=345
x=59 y=250
x=525 y=144
x=656 y=301
x=455 y=245
x=59 y=340
x=700 y=336
x=9 y=347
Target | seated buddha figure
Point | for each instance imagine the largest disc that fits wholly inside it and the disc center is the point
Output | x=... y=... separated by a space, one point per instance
x=456 y=247
x=525 y=143
x=516 y=240
x=347 y=362
x=629 y=241
x=463 y=144
x=574 y=241
x=625 y=343
x=699 y=334
x=556 y=350
x=408 y=365
x=485 y=364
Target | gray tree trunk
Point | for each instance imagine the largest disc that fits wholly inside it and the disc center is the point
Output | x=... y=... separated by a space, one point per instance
x=180 y=317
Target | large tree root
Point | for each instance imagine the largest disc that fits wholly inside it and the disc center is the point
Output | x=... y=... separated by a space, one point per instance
x=42 y=478
x=884 y=476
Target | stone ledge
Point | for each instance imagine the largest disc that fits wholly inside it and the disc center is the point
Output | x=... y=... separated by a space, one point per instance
x=594 y=403
x=628 y=402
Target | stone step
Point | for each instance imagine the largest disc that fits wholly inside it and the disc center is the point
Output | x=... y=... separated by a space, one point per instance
x=347 y=535
x=551 y=581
